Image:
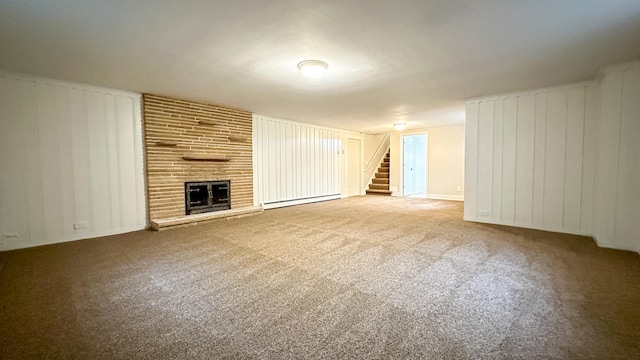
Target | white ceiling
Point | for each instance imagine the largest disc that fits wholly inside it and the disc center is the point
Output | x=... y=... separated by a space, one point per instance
x=389 y=61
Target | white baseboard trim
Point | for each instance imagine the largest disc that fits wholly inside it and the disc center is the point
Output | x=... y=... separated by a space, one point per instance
x=528 y=226
x=608 y=245
x=284 y=203
x=85 y=236
x=445 y=197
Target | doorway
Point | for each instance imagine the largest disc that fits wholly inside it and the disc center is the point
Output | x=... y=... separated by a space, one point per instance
x=354 y=162
x=414 y=165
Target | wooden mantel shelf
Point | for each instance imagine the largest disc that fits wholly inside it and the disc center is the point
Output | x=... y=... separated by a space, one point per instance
x=205 y=157
x=163 y=224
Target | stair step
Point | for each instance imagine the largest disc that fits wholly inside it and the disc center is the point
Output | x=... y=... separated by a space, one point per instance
x=382 y=175
x=383 y=169
x=380 y=181
x=378 y=192
x=378 y=186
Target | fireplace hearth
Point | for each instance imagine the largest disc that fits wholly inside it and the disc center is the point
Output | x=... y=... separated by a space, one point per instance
x=207 y=196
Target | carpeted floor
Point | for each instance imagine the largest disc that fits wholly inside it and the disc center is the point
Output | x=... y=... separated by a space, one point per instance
x=360 y=278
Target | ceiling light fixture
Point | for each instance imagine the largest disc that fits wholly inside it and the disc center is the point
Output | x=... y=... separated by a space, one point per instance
x=400 y=126
x=313 y=68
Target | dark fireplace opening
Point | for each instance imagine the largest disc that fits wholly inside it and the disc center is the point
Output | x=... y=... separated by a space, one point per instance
x=207 y=196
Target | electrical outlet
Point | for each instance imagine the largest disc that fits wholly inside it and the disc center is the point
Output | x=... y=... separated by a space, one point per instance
x=10 y=235
x=459 y=188
x=80 y=225
x=483 y=213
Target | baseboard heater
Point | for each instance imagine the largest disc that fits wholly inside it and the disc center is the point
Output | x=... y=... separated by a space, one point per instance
x=291 y=202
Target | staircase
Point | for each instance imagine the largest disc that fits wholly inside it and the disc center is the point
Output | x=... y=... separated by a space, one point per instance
x=380 y=183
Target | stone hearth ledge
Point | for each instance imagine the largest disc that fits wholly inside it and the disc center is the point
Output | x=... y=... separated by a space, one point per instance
x=163 y=224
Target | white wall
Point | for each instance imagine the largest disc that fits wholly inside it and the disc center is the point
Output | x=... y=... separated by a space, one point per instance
x=617 y=210
x=562 y=159
x=71 y=162
x=445 y=162
x=371 y=144
x=526 y=160
x=297 y=163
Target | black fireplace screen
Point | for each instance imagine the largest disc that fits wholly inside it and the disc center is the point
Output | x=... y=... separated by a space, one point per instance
x=207 y=196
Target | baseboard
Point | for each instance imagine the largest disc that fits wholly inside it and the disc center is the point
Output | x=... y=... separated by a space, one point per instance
x=75 y=238
x=608 y=245
x=445 y=197
x=278 y=204
x=527 y=226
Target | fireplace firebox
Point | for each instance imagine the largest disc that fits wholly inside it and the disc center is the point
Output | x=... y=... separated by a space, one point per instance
x=207 y=196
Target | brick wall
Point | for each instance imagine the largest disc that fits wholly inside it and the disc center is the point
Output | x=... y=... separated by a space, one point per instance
x=175 y=128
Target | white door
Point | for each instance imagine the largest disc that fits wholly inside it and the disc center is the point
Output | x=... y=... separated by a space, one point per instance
x=353 y=167
x=414 y=158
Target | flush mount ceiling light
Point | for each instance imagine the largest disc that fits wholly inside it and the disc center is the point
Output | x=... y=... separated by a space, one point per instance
x=400 y=126
x=312 y=68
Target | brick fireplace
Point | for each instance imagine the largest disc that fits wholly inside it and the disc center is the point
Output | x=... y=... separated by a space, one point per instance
x=188 y=142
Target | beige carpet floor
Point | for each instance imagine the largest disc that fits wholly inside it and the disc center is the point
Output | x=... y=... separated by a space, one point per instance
x=359 y=278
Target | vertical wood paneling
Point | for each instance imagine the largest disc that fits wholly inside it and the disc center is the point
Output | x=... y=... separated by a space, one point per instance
x=566 y=157
x=66 y=165
x=83 y=197
x=524 y=159
x=509 y=148
x=471 y=161
x=127 y=166
x=573 y=166
x=99 y=162
x=29 y=117
x=608 y=152
x=485 y=155
x=113 y=161
x=590 y=144
x=140 y=193
x=627 y=189
x=530 y=170
x=617 y=192
x=49 y=162
x=496 y=190
x=59 y=167
x=539 y=158
x=555 y=160
x=304 y=157
x=12 y=190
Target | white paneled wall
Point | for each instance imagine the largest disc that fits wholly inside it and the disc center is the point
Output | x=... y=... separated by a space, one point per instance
x=296 y=163
x=71 y=162
x=617 y=210
x=526 y=162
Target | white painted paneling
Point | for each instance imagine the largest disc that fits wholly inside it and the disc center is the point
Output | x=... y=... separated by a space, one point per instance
x=574 y=159
x=530 y=170
x=470 y=161
x=525 y=149
x=555 y=160
x=496 y=190
x=509 y=146
x=485 y=155
x=71 y=154
x=607 y=164
x=296 y=163
x=617 y=201
x=564 y=159
x=628 y=188
x=539 y=157
x=589 y=146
